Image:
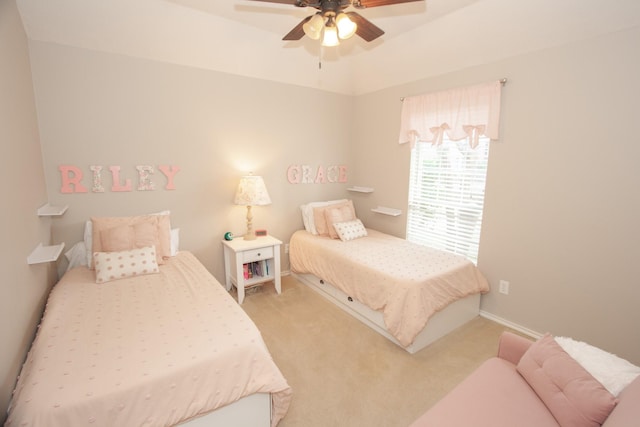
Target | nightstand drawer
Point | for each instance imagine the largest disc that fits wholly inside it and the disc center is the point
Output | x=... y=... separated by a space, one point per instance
x=257 y=254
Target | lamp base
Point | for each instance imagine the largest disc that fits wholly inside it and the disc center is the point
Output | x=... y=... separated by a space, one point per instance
x=249 y=235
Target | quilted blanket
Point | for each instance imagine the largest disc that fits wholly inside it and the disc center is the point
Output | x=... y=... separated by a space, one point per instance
x=153 y=350
x=409 y=283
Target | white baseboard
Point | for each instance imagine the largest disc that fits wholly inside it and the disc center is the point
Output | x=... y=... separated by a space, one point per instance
x=509 y=324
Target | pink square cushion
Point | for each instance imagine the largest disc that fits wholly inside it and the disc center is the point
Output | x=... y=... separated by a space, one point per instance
x=117 y=239
x=127 y=237
x=126 y=233
x=320 y=219
x=336 y=215
x=571 y=394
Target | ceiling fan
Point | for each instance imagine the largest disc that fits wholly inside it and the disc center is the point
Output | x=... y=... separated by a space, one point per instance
x=332 y=23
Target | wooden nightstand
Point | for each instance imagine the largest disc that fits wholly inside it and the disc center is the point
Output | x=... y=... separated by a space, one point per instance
x=251 y=262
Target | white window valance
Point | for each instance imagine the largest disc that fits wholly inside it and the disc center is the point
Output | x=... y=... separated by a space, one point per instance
x=467 y=112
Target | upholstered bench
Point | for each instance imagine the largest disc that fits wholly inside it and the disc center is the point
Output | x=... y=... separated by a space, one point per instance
x=536 y=385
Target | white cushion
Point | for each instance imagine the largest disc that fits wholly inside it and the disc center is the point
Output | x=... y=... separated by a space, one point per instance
x=175 y=241
x=88 y=242
x=120 y=265
x=613 y=372
x=350 y=230
x=76 y=256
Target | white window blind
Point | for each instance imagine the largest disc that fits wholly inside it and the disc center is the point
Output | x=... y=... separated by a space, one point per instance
x=446 y=195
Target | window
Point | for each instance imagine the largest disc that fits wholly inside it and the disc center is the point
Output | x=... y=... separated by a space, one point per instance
x=449 y=132
x=446 y=195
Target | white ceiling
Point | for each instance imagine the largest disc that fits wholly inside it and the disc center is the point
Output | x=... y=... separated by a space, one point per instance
x=423 y=39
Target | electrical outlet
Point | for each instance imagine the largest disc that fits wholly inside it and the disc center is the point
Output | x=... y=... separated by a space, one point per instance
x=286 y=248
x=504 y=287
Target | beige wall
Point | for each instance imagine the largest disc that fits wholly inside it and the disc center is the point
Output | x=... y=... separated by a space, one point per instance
x=105 y=109
x=562 y=201
x=23 y=287
x=561 y=205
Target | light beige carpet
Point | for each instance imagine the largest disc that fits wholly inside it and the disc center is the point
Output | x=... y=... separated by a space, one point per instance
x=345 y=374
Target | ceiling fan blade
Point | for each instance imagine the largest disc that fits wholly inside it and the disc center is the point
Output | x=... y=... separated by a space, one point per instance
x=366 y=29
x=375 y=3
x=298 y=3
x=293 y=2
x=297 y=32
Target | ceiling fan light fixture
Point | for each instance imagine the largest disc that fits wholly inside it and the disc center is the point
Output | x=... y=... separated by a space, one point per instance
x=330 y=36
x=331 y=23
x=346 y=27
x=313 y=27
x=315 y=35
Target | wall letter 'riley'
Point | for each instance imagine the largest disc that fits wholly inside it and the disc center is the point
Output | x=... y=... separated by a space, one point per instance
x=71 y=178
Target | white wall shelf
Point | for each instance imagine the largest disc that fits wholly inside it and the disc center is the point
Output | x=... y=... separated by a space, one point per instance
x=387 y=211
x=45 y=254
x=49 y=210
x=360 y=189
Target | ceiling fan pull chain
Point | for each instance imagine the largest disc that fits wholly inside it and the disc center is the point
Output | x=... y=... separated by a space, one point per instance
x=320 y=58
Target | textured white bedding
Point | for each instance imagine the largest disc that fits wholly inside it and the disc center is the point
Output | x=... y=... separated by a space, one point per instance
x=409 y=283
x=153 y=350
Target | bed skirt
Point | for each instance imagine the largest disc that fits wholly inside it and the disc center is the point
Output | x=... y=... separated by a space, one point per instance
x=250 y=411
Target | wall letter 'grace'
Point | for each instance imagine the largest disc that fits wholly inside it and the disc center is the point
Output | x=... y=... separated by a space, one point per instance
x=304 y=174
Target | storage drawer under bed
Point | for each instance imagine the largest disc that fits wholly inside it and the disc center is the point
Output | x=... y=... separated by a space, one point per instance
x=347 y=300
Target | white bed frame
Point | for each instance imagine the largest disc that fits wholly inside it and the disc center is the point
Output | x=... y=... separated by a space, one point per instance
x=250 y=411
x=439 y=325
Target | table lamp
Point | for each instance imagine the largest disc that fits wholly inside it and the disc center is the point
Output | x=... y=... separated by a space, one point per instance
x=251 y=192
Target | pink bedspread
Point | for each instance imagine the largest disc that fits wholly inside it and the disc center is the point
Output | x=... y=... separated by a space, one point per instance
x=154 y=350
x=409 y=283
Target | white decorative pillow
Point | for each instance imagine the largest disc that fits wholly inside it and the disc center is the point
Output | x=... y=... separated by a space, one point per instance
x=77 y=256
x=613 y=372
x=350 y=230
x=88 y=242
x=119 y=265
x=175 y=241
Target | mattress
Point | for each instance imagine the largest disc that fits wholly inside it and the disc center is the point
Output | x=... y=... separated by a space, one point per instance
x=153 y=350
x=407 y=282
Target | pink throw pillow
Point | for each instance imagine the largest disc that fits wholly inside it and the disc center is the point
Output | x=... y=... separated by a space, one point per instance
x=146 y=234
x=158 y=224
x=336 y=215
x=571 y=394
x=320 y=219
x=117 y=239
x=127 y=237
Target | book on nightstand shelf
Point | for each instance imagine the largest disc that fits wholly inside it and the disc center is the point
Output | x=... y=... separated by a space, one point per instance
x=256 y=268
